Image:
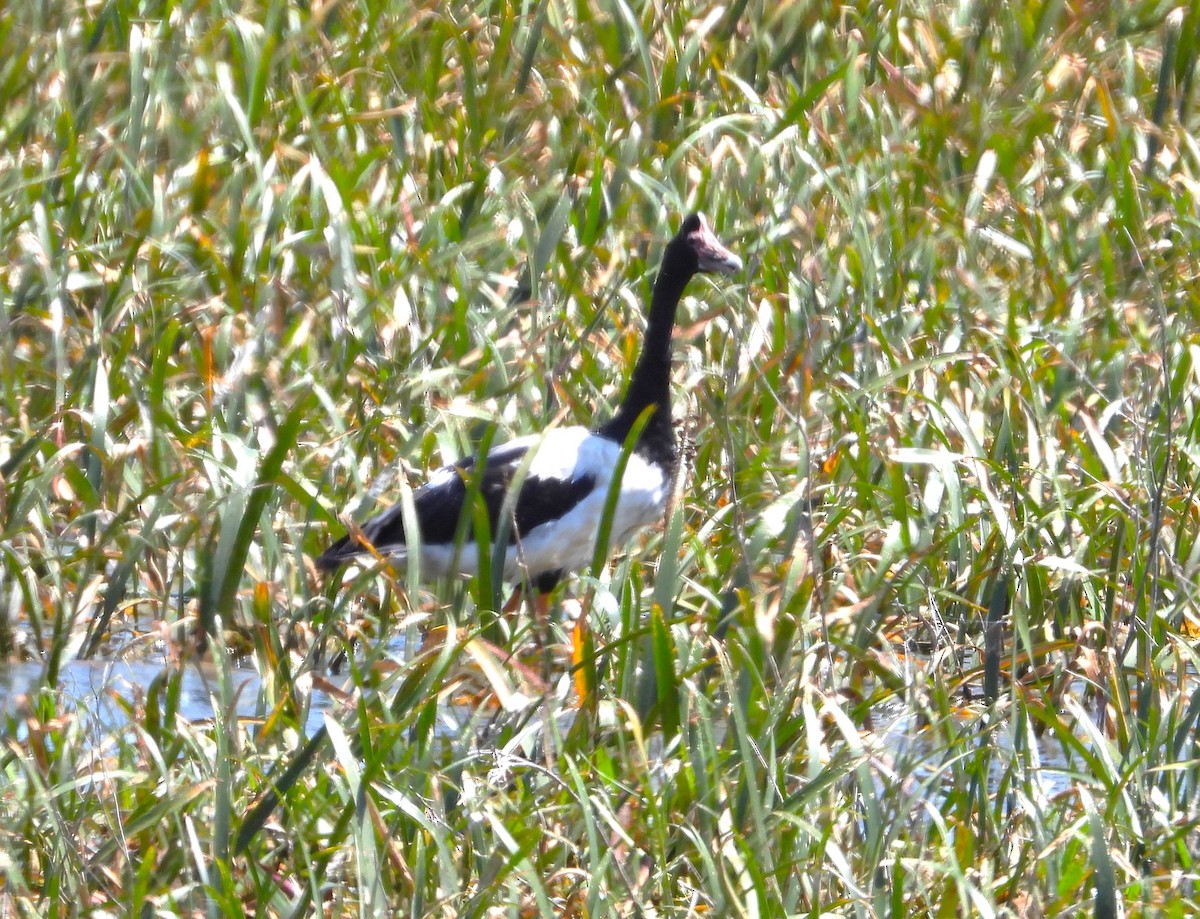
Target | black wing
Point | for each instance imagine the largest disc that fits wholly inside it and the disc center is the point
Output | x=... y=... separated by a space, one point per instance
x=439 y=504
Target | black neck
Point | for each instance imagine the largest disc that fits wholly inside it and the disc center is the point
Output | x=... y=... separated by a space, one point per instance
x=650 y=384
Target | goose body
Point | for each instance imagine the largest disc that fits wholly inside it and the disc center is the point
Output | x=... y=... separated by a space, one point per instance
x=557 y=510
x=559 y=505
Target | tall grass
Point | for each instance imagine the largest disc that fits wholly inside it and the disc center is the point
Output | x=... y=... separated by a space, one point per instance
x=919 y=637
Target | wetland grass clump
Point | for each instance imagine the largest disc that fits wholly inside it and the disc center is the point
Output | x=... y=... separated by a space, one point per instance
x=917 y=639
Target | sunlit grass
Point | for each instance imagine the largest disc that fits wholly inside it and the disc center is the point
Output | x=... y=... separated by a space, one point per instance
x=919 y=638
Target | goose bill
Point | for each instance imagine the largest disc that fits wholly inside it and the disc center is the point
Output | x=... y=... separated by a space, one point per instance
x=710 y=251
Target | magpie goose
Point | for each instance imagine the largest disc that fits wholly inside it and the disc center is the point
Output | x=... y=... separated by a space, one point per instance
x=560 y=502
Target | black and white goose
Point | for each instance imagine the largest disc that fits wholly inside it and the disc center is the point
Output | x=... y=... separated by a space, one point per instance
x=560 y=503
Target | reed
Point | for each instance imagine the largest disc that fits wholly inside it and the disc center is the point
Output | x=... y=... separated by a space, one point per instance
x=919 y=638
